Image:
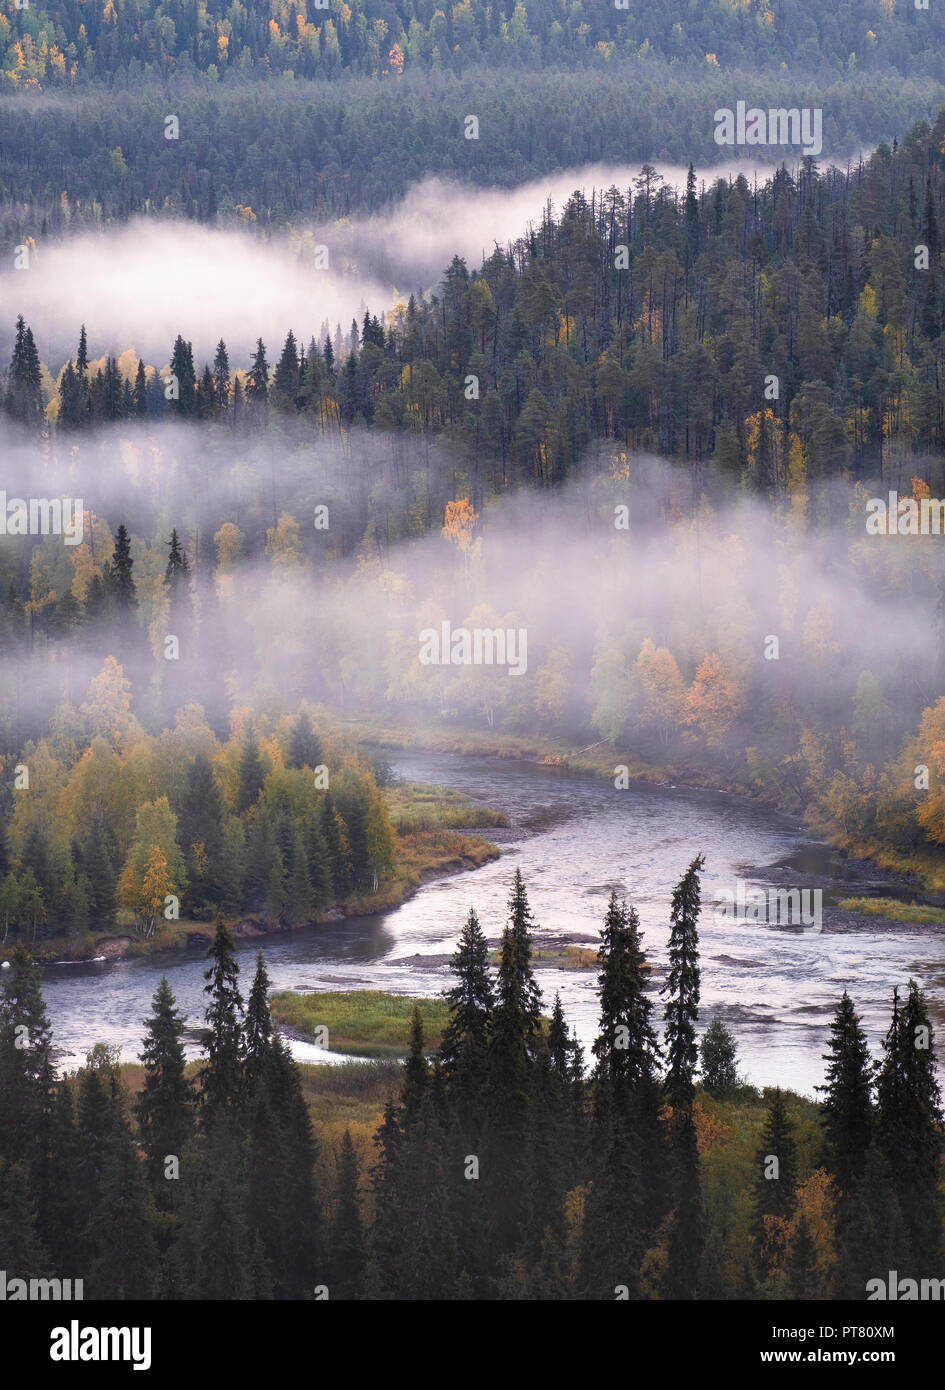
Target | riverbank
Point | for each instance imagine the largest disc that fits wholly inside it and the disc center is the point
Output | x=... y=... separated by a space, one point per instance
x=925 y=871
x=435 y=836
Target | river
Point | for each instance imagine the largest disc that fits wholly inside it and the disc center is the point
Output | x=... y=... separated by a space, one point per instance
x=575 y=838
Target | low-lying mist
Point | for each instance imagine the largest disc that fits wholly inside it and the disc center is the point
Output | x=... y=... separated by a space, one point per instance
x=141 y=284
x=794 y=602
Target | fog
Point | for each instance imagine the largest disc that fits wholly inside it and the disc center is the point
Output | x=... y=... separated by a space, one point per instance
x=143 y=283
x=723 y=576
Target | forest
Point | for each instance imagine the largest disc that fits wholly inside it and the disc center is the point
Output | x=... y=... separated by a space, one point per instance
x=633 y=315
x=502 y=1166
x=334 y=324
x=628 y=324
x=119 y=819
x=68 y=43
x=275 y=155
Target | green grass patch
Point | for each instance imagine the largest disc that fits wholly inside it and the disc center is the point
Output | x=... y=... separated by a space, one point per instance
x=922 y=914
x=361 y=1023
x=416 y=809
x=561 y=957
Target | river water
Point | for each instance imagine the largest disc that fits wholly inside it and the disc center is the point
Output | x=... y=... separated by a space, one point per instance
x=575 y=838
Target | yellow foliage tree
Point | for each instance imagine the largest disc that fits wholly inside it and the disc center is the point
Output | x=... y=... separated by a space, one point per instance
x=713 y=700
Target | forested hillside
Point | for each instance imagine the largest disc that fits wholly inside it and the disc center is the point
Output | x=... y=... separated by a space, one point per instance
x=637 y=316
x=782 y=345
x=73 y=42
x=274 y=155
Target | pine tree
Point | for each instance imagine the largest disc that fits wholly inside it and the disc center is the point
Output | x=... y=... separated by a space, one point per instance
x=416 y=1072
x=846 y=1109
x=258 y=1026
x=165 y=1107
x=286 y=376
x=803 y=1277
x=347 y=1252
x=221 y=376
x=251 y=774
x=222 y=1085
x=319 y=866
x=513 y=1051
x=625 y=1200
x=98 y=863
x=23 y=1250
x=24 y=397
x=775 y=1177
x=200 y=834
x=687 y=1234
x=305 y=749
x=626 y=1048
x=118 y=1255
x=124 y=597
x=182 y=367
x=464 y=1045
x=141 y=391
x=909 y=1122
x=516 y=1023
x=288 y=1181
x=177 y=579
x=339 y=854
x=682 y=985
x=25 y=1058
x=387 y=1176
x=257 y=386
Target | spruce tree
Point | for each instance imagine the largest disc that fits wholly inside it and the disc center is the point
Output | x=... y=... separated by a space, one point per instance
x=123 y=595
x=416 y=1072
x=464 y=1045
x=909 y=1123
x=517 y=1015
x=387 y=1176
x=257 y=386
x=846 y=1109
x=221 y=376
x=251 y=774
x=347 y=1251
x=258 y=1025
x=24 y=398
x=221 y=1079
x=23 y=1252
x=775 y=1178
x=165 y=1106
x=682 y=985
x=200 y=834
x=82 y=354
x=99 y=864
x=116 y=1240
x=182 y=367
x=140 y=394
x=625 y=1200
x=305 y=748
x=26 y=1068
x=513 y=1051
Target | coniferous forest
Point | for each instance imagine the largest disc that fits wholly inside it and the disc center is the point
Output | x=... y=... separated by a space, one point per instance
x=472 y=692
x=506 y=1165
